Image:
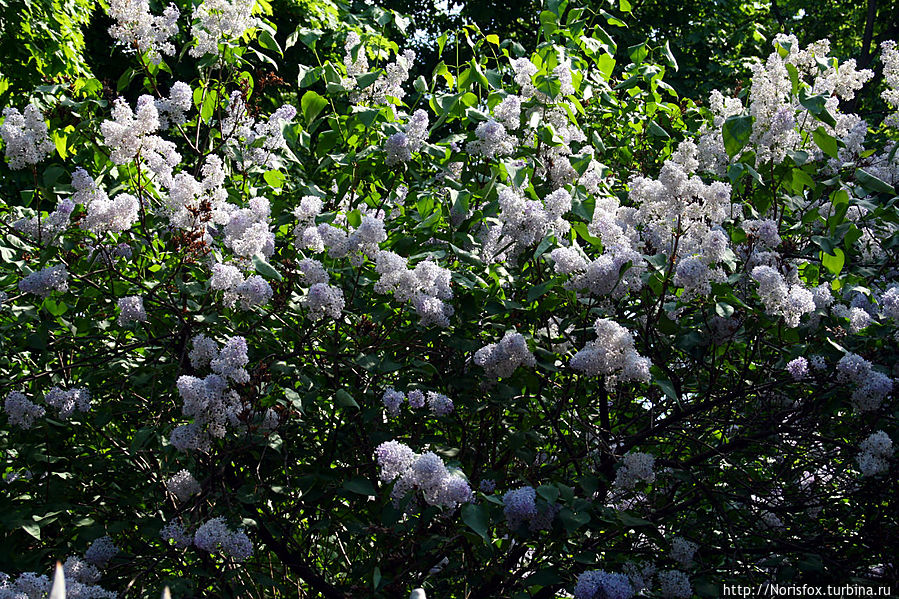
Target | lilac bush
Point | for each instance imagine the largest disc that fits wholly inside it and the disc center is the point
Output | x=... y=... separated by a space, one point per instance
x=655 y=336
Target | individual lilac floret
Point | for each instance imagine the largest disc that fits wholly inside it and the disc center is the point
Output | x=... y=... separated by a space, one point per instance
x=599 y=583
x=798 y=368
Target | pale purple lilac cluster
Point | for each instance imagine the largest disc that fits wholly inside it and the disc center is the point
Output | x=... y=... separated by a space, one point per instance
x=425 y=472
x=502 y=359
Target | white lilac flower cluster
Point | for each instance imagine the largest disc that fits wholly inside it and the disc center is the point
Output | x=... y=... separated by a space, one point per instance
x=425 y=472
x=130 y=133
x=426 y=287
x=612 y=354
x=779 y=120
x=615 y=272
x=388 y=85
x=355 y=59
x=257 y=142
x=42 y=282
x=111 y=216
x=172 y=110
x=362 y=242
x=791 y=300
x=247 y=232
x=491 y=140
x=251 y=291
x=400 y=146
x=131 y=309
x=324 y=301
x=66 y=401
x=183 y=485
x=209 y=401
x=438 y=403
x=101 y=551
x=520 y=507
x=195 y=204
x=675 y=584
x=682 y=551
x=599 y=583
x=635 y=467
x=220 y=21
x=21 y=411
x=526 y=222
x=871 y=386
x=502 y=359
x=214 y=536
x=889 y=57
x=138 y=30
x=678 y=205
x=25 y=136
x=875 y=454
x=798 y=368
x=46 y=229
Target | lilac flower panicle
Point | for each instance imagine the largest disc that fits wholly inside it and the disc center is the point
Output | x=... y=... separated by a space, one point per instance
x=183 y=485
x=798 y=368
x=101 y=551
x=392 y=400
x=439 y=404
x=599 y=584
x=675 y=584
x=67 y=401
x=131 y=309
x=21 y=411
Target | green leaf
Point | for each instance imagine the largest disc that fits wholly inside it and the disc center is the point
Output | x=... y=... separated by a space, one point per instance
x=269 y=43
x=606 y=64
x=833 y=262
x=638 y=53
x=312 y=104
x=344 y=399
x=275 y=178
x=669 y=57
x=657 y=131
x=826 y=142
x=33 y=529
x=736 y=132
x=871 y=183
x=360 y=486
x=265 y=269
x=475 y=517
x=817 y=106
